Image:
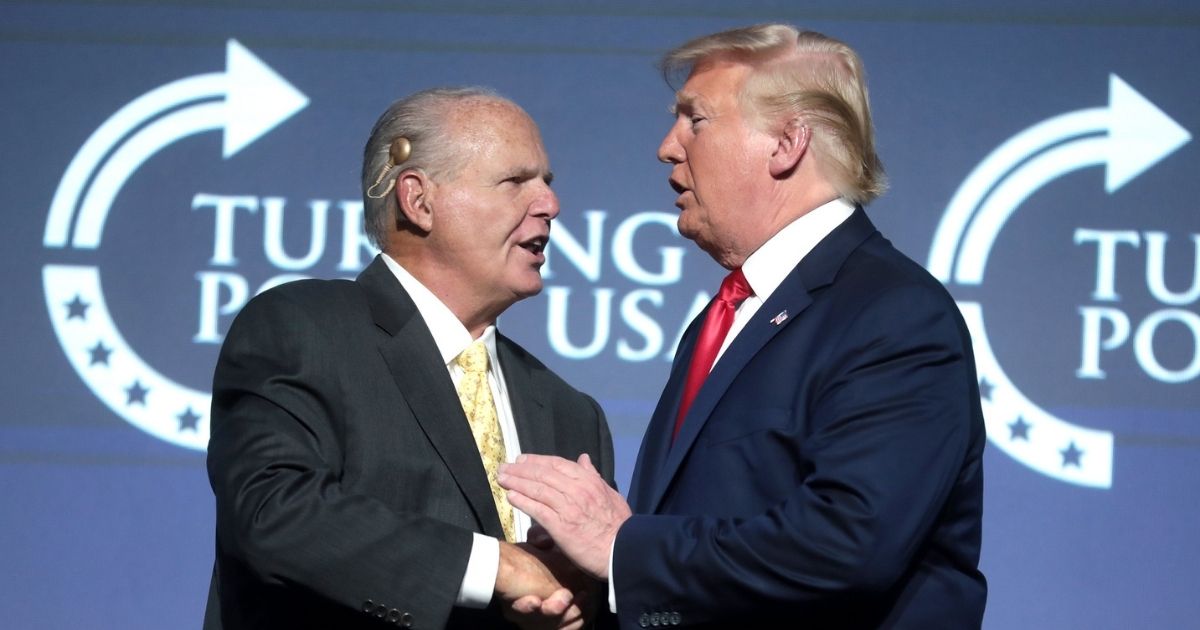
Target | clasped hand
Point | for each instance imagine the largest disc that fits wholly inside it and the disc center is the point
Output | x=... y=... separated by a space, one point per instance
x=540 y=588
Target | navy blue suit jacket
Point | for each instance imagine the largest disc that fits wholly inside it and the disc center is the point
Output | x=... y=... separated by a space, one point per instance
x=829 y=472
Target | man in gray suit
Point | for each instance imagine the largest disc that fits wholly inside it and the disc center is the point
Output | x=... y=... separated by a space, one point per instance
x=354 y=442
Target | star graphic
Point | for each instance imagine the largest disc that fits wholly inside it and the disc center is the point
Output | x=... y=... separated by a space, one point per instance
x=188 y=419
x=77 y=308
x=985 y=389
x=137 y=393
x=1071 y=455
x=100 y=353
x=1020 y=429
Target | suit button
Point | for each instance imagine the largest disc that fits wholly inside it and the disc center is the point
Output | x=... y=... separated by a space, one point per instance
x=644 y=620
x=676 y=619
x=656 y=619
x=393 y=616
x=368 y=607
x=406 y=619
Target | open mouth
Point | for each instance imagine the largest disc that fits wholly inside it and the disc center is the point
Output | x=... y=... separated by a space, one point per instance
x=680 y=190
x=535 y=245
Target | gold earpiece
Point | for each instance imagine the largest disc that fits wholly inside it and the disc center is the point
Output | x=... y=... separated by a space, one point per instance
x=398 y=153
x=401 y=149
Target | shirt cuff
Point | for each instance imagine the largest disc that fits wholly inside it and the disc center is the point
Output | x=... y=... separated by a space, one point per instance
x=612 y=589
x=479 y=582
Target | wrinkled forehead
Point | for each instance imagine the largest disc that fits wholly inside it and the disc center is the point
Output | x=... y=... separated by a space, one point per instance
x=496 y=135
x=482 y=112
x=492 y=120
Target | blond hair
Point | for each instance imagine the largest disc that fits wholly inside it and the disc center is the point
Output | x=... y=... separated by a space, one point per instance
x=804 y=75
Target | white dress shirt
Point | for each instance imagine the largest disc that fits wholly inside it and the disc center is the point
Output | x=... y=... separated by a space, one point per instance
x=765 y=269
x=452 y=338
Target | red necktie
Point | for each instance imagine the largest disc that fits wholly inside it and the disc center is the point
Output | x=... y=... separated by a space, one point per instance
x=734 y=290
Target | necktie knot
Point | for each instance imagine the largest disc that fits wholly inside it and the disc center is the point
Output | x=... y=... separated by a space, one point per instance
x=474 y=360
x=734 y=288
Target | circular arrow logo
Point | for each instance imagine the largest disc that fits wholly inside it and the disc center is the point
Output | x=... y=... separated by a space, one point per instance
x=1127 y=138
x=245 y=102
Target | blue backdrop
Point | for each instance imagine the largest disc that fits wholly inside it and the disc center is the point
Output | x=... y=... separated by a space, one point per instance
x=163 y=161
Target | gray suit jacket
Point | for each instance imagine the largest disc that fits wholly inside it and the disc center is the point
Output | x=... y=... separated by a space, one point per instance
x=347 y=481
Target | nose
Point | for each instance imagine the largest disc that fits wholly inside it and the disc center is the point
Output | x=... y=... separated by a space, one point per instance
x=670 y=151
x=545 y=204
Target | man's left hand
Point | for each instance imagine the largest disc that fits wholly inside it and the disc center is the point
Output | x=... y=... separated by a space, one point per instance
x=579 y=510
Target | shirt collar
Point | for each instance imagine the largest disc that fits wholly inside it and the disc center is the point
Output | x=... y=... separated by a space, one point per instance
x=448 y=333
x=767 y=267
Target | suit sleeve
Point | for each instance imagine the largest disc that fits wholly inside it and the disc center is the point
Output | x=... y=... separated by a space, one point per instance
x=605 y=461
x=274 y=463
x=889 y=426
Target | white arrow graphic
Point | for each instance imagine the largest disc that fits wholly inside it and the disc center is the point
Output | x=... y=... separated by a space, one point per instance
x=246 y=101
x=252 y=100
x=1007 y=196
x=1128 y=137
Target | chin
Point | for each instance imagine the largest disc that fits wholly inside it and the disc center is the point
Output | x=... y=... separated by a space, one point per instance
x=527 y=287
x=686 y=228
x=694 y=236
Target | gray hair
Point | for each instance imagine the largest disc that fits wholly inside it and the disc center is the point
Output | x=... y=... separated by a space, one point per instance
x=422 y=118
x=806 y=75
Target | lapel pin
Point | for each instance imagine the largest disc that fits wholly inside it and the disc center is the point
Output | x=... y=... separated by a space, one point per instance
x=780 y=318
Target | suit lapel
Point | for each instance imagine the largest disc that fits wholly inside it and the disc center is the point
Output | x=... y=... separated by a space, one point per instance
x=757 y=332
x=792 y=297
x=657 y=438
x=416 y=367
x=535 y=427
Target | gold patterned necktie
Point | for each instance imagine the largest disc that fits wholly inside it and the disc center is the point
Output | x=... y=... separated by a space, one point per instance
x=476 y=397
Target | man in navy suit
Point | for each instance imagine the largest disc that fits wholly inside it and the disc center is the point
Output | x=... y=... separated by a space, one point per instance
x=815 y=459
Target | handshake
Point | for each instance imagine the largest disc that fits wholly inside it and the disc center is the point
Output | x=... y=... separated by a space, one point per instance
x=557 y=579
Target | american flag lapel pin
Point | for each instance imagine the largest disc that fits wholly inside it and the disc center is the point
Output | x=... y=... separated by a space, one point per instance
x=780 y=318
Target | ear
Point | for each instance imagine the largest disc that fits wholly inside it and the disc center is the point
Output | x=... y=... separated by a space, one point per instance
x=792 y=144
x=412 y=200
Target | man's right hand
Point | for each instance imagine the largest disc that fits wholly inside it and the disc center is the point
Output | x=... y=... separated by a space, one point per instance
x=532 y=595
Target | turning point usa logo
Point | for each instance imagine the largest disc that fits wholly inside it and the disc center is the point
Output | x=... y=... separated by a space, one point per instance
x=244 y=102
x=1127 y=138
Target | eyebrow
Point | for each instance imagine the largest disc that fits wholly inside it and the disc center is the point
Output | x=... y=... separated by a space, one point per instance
x=685 y=102
x=525 y=174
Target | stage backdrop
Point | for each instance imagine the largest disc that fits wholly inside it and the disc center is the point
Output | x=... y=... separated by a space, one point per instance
x=164 y=161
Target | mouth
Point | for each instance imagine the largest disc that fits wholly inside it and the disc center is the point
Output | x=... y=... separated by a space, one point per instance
x=535 y=245
x=680 y=190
